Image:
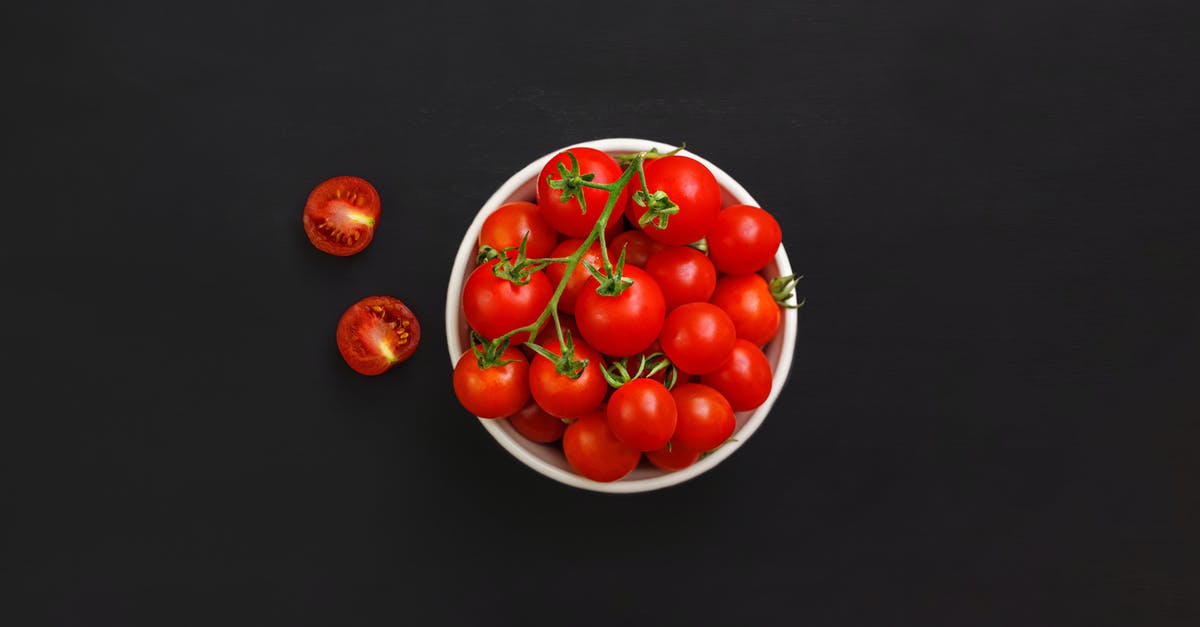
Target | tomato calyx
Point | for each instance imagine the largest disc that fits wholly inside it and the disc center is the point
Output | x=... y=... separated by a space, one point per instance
x=489 y=354
x=619 y=372
x=783 y=289
x=612 y=283
x=571 y=182
x=565 y=365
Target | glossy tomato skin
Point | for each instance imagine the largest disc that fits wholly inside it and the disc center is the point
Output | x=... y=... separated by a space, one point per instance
x=641 y=414
x=495 y=306
x=698 y=337
x=677 y=458
x=536 y=425
x=625 y=324
x=688 y=184
x=513 y=221
x=562 y=396
x=377 y=333
x=748 y=301
x=496 y=392
x=743 y=239
x=594 y=452
x=567 y=217
x=684 y=274
x=341 y=214
x=745 y=380
x=638 y=246
x=579 y=277
x=705 y=418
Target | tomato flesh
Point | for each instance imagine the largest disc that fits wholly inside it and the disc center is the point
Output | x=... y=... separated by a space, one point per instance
x=341 y=214
x=377 y=333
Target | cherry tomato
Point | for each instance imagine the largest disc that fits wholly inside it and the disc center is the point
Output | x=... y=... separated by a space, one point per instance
x=705 y=420
x=625 y=324
x=579 y=277
x=341 y=214
x=495 y=392
x=377 y=333
x=698 y=337
x=594 y=452
x=688 y=184
x=495 y=306
x=743 y=239
x=684 y=274
x=677 y=458
x=745 y=380
x=748 y=301
x=511 y=222
x=638 y=247
x=641 y=414
x=561 y=395
x=535 y=424
x=567 y=217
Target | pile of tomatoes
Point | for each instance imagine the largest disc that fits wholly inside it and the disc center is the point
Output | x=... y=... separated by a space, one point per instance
x=660 y=368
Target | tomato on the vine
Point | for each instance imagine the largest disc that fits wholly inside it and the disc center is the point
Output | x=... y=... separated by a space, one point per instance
x=594 y=452
x=494 y=305
x=748 y=300
x=674 y=458
x=641 y=414
x=561 y=395
x=535 y=424
x=698 y=337
x=377 y=333
x=638 y=247
x=625 y=324
x=340 y=215
x=579 y=277
x=745 y=379
x=684 y=274
x=743 y=239
x=688 y=184
x=549 y=333
x=512 y=222
x=568 y=217
x=494 y=392
x=705 y=419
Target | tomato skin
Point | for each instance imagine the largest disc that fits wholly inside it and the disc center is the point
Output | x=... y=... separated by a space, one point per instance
x=549 y=334
x=743 y=239
x=684 y=274
x=594 y=452
x=567 y=217
x=748 y=301
x=494 y=306
x=638 y=246
x=377 y=333
x=340 y=215
x=579 y=277
x=511 y=222
x=621 y=325
x=536 y=425
x=705 y=419
x=698 y=337
x=745 y=380
x=562 y=396
x=496 y=392
x=677 y=458
x=641 y=414
x=688 y=184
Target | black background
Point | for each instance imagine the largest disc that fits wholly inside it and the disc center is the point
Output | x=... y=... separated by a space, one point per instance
x=992 y=418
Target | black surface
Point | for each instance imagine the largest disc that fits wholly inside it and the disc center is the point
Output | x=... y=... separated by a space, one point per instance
x=992 y=419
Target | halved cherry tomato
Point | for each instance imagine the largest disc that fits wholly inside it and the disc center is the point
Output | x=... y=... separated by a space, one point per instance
x=579 y=277
x=495 y=392
x=567 y=217
x=561 y=395
x=745 y=380
x=641 y=414
x=743 y=239
x=698 y=337
x=513 y=221
x=377 y=333
x=748 y=301
x=625 y=324
x=495 y=306
x=535 y=424
x=684 y=274
x=341 y=214
x=675 y=458
x=705 y=419
x=594 y=452
x=688 y=184
x=638 y=247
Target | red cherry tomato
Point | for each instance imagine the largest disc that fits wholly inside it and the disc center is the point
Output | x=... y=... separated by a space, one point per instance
x=745 y=380
x=579 y=277
x=748 y=301
x=743 y=239
x=341 y=214
x=705 y=420
x=641 y=414
x=688 y=184
x=495 y=392
x=495 y=306
x=684 y=274
x=535 y=424
x=377 y=333
x=638 y=247
x=677 y=458
x=511 y=222
x=561 y=395
x=594 y=452
x=625 y=324
x=698 y=337
x=567 y=217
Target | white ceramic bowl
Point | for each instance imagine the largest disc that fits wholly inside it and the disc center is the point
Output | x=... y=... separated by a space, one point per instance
x=548 y=459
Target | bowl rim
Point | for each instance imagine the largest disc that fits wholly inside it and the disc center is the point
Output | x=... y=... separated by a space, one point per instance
x=466 y=253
